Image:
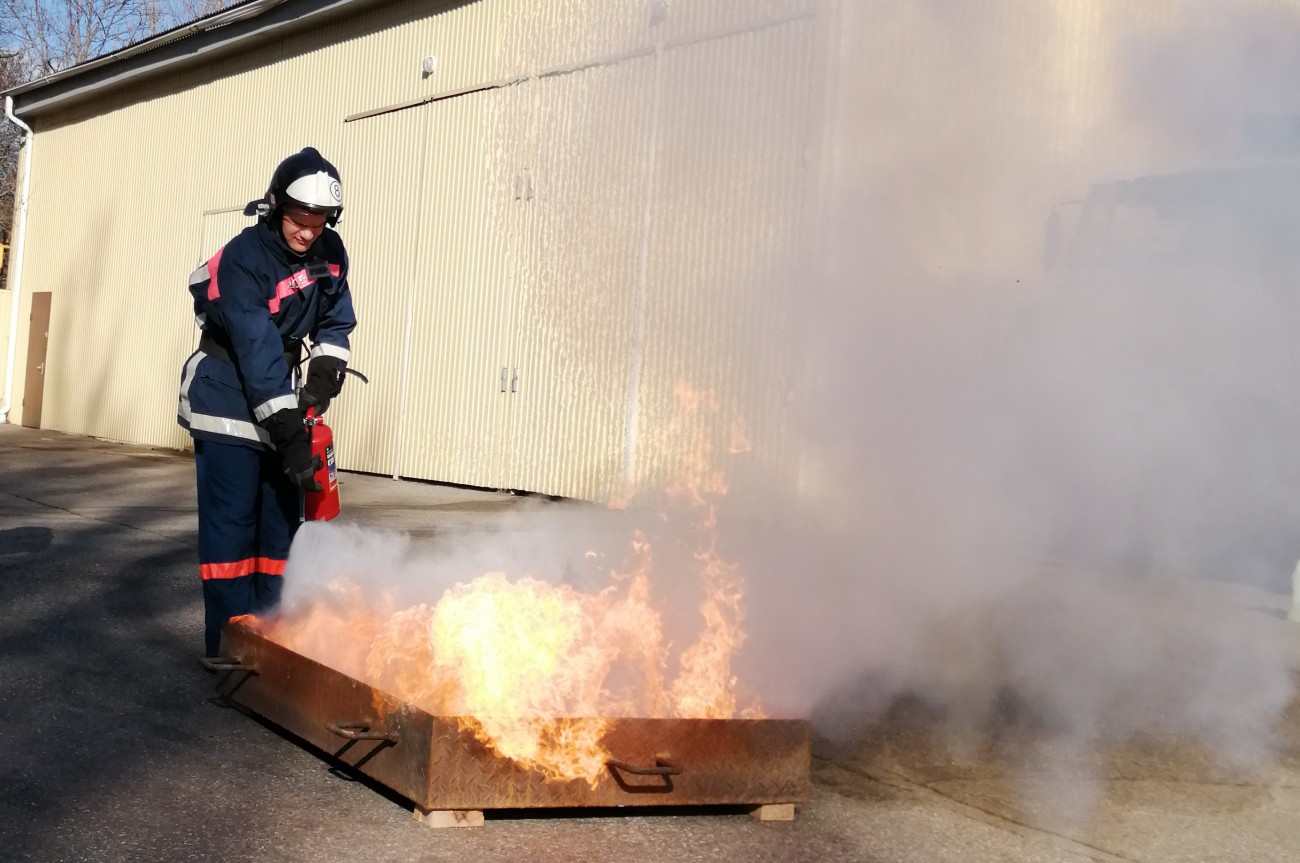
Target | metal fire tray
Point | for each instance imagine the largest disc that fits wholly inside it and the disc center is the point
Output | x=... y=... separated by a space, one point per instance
x=435 y=764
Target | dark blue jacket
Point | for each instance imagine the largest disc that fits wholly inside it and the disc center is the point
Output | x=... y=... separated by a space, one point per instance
x=256 y=300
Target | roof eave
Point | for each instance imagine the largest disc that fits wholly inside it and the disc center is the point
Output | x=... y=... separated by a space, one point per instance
x=198 y=42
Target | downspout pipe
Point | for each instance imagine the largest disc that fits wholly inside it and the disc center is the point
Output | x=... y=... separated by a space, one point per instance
x=16 y=260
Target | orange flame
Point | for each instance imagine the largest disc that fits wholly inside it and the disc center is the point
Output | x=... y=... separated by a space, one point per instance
x=340 y=624
x=520 y=656
x=536 y=670
x=704 y=685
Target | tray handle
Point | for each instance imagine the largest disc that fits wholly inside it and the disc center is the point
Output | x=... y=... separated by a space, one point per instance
x=360 y=731
x=226 y=663
x=662 y=767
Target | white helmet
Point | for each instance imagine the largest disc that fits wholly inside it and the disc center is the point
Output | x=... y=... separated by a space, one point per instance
x=305 y=180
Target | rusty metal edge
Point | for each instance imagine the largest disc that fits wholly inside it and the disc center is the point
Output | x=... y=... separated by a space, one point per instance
x=439 y=766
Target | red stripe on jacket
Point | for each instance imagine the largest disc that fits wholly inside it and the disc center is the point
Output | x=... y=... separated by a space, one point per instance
x=213 y=263
x=293 y=284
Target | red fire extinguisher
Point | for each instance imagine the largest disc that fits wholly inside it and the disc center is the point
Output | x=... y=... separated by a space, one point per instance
x=321 y=505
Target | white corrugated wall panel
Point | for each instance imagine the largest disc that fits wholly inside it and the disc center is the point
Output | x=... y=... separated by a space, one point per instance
x=379 y=62
x=439 y=242
x=116 y=256
x=462 y=288
x=578 y=286
x=688 y=21
x=121 y=323
x=542 y=36
x=539 y=36
x=380 y=161
x=721 y=303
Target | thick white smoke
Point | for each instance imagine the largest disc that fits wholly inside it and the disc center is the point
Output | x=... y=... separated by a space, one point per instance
x=1052 y=409
x=1049 y=415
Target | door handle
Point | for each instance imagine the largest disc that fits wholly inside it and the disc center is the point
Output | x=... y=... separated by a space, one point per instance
x=514 y=382
x=503 y=379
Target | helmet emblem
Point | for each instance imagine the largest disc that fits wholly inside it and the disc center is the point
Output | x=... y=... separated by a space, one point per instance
x=336 y=191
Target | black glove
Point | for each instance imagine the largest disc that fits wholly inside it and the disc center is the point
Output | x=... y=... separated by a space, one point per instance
x=324 y=380
x=289 y=437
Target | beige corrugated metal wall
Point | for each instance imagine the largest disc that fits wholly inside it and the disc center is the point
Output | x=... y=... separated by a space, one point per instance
x=382 y=226
x=578 y=282
x=501 y=241
x=453 y=418
x=538 y=265
x=731 y=170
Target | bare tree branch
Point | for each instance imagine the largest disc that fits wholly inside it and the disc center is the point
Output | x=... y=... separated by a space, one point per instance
x=51 y=35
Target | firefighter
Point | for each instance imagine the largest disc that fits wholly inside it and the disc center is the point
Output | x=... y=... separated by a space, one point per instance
x=278 y=282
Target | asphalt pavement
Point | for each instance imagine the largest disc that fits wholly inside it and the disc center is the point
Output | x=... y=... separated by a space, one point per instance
x=113 y=747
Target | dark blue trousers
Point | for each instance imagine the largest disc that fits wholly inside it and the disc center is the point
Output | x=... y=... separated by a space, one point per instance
x=248 y=514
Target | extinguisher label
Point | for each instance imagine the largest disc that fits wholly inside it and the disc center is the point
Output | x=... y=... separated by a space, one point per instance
x=329 y=461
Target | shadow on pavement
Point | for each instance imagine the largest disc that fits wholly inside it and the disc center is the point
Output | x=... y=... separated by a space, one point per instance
x=98 y=637
x=25 y=540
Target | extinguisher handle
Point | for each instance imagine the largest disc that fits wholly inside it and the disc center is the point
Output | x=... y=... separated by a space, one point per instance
x=310 y=414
